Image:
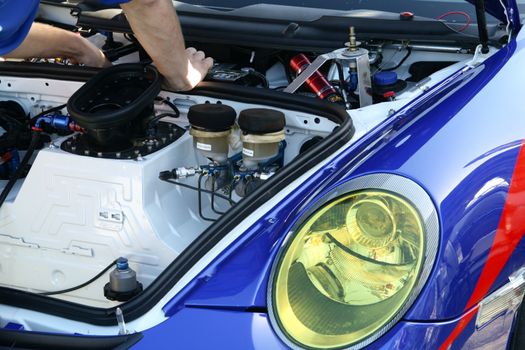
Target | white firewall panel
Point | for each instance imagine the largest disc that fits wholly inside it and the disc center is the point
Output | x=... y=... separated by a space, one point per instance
x=74 y=215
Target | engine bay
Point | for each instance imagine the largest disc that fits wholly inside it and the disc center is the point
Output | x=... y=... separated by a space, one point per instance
x=124 y=175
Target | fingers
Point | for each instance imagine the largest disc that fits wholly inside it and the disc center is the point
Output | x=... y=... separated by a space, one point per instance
x=88 y=54
x=208 y=62
x=191 y=51
x=194 y=55
x=198 y=66
x=199 y=56
x=199 y=61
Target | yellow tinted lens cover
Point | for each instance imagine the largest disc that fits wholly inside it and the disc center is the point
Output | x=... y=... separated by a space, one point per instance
x=348 y=270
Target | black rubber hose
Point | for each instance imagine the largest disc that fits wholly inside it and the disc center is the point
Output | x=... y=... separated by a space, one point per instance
x=13 y=128
x=35 y=138
x=170 y=104
x=13 y=120
x=262 y=78
x=155 y=119
x=83 y=284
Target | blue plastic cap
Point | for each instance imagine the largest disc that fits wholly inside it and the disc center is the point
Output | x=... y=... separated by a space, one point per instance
x=16 y=18
x=385 y=78
x=122 y=264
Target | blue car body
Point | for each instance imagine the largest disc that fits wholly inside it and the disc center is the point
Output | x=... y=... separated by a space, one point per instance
x=464 y=146
x=462 y=142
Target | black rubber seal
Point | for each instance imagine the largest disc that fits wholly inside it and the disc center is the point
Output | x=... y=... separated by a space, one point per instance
x=44 y=341
x=138 y=306
x=261 y=121
x=212 y=116
x=115 y=96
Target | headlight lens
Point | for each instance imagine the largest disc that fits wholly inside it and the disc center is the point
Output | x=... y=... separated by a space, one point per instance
x=348 y=270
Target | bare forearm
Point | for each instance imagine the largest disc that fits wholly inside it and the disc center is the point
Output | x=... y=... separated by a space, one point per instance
x=45 y=41
x=156 y=26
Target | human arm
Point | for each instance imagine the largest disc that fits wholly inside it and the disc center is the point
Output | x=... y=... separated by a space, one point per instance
x=50 y=42
x=156 y=26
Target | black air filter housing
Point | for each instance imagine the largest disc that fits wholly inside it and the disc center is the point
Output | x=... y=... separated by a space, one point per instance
x=212 y=117
x=112 y=104
x=261 y=121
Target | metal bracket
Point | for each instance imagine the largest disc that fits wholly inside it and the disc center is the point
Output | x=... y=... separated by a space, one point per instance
x=344 y=57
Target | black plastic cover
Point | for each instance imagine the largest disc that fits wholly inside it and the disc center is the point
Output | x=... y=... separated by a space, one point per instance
x=289 y=27
x=261 y=121
x=212 y=117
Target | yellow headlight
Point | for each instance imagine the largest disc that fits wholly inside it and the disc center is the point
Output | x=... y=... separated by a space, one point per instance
x=348 y=270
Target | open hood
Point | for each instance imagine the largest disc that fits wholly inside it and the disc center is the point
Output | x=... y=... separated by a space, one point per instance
x=495 y=8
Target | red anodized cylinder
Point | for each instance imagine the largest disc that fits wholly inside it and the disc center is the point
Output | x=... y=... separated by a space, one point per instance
x=317 y=82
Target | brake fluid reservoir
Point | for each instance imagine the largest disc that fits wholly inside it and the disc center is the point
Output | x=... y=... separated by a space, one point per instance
x=262 y=131
x=211 y=126
x=123 y=284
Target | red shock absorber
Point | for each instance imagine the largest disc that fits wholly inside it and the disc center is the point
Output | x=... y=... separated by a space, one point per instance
x=317 y=82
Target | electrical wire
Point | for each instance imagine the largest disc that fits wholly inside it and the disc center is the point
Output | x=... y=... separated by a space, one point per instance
x=461 y=13
x=155 y=119
x=384 y=62
x=232 y=202
x=507 y=29
x=261 y=77
x=51 y=110
x=106 y=269
x=35 y=138
x=130 y=37
x=169 y=104
x=409 y=52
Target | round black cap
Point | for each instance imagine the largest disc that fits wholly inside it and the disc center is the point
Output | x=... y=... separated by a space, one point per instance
x=212 y=117
x=261 y=121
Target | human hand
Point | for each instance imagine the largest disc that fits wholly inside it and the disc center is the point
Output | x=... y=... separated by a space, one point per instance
x=45 y=41
x=198 y=66
x=88 y=54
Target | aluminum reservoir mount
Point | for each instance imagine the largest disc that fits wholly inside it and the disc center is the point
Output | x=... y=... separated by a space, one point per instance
x=349 y=57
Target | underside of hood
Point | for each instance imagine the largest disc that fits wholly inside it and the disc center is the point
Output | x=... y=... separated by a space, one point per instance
x=504 y=10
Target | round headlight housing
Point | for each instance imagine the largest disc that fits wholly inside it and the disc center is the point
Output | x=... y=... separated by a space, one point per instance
x=352 y=267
